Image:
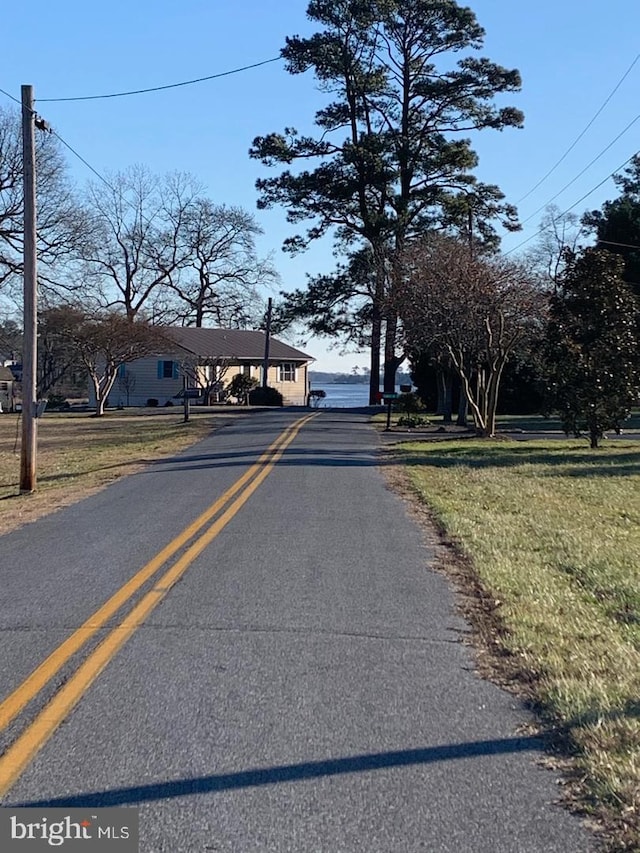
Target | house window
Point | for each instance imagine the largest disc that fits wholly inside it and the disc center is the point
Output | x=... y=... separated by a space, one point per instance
x=167 y=370
x=286 y=373
x=246 y=370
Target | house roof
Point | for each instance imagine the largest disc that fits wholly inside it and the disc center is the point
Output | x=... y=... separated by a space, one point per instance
x=233 y=343
x=6 y=375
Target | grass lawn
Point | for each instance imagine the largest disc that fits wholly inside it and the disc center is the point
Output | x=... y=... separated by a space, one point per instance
x=77 y=453
x=538 y=423
x=552 y=531
x=508 y=423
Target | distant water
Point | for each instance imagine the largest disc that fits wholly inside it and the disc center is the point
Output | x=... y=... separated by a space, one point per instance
x=343 y=395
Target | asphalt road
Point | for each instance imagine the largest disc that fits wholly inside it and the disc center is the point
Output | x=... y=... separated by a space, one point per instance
x=302 y=686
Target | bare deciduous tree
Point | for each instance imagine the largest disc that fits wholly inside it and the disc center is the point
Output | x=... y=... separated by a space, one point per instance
x=10 y=339
x=222 y=273
x=57 y=357
x=61 y=221
x=475 y=309
x=559 y=234
x=205 y=373
x=136 y=243
x=104 y=342
x=127 y=385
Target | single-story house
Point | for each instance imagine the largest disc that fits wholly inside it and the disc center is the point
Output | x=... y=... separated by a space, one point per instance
x=7 y=389
x=209 y=359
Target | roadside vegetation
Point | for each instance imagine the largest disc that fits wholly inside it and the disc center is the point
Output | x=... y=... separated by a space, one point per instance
x=78 y=454
x=504 y=423
x=548 y=533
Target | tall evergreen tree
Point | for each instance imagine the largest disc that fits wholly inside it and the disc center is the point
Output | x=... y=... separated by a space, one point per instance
x=592 y=356
x=389 y=159
x=336 y=305
x=617 y=223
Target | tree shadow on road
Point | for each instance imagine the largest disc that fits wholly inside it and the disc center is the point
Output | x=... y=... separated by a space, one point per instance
x=259 y=777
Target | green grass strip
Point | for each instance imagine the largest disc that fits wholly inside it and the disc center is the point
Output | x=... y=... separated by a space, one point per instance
x=553 y=532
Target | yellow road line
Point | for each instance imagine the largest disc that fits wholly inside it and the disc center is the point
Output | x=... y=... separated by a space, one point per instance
x=23 y=750
x=33 y=684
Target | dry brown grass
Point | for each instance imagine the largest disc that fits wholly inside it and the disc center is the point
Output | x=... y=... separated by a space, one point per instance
x=544 y=540
x=79 y=454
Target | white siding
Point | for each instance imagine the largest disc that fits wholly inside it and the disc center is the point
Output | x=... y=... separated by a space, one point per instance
x=147 y=385
x=5 y=396
x=293 y=393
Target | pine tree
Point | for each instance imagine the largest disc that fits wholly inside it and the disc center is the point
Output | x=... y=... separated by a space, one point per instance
x=391 y=158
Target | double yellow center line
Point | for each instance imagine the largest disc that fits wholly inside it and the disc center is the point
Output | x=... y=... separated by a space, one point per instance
x=26 y=746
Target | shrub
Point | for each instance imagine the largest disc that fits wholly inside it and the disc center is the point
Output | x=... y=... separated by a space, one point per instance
x=265 y=397
x=152 y=402
x=240 y=387
x=410 y=404
x=412 y=421
x=57 y=401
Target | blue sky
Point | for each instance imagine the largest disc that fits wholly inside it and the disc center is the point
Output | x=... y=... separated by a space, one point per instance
x=571 y=54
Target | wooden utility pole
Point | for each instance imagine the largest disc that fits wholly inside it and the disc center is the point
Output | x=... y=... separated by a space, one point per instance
x=29 y=349
x=267 y=340
x=186 y=401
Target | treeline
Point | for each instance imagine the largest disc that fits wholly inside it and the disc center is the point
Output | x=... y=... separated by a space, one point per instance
x=152 y=247
x=117 y=261
x=319 y=376
x=389 y=173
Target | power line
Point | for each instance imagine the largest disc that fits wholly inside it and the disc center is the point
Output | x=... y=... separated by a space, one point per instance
x=11 y=96
x=33 y=112
x=110 y=186
x=161 y=88
x=586 y=168
x=20 y=104
x=623 y=245
x=82 y=160
x=579 y=137
x=575 y=204
x=66 y=144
